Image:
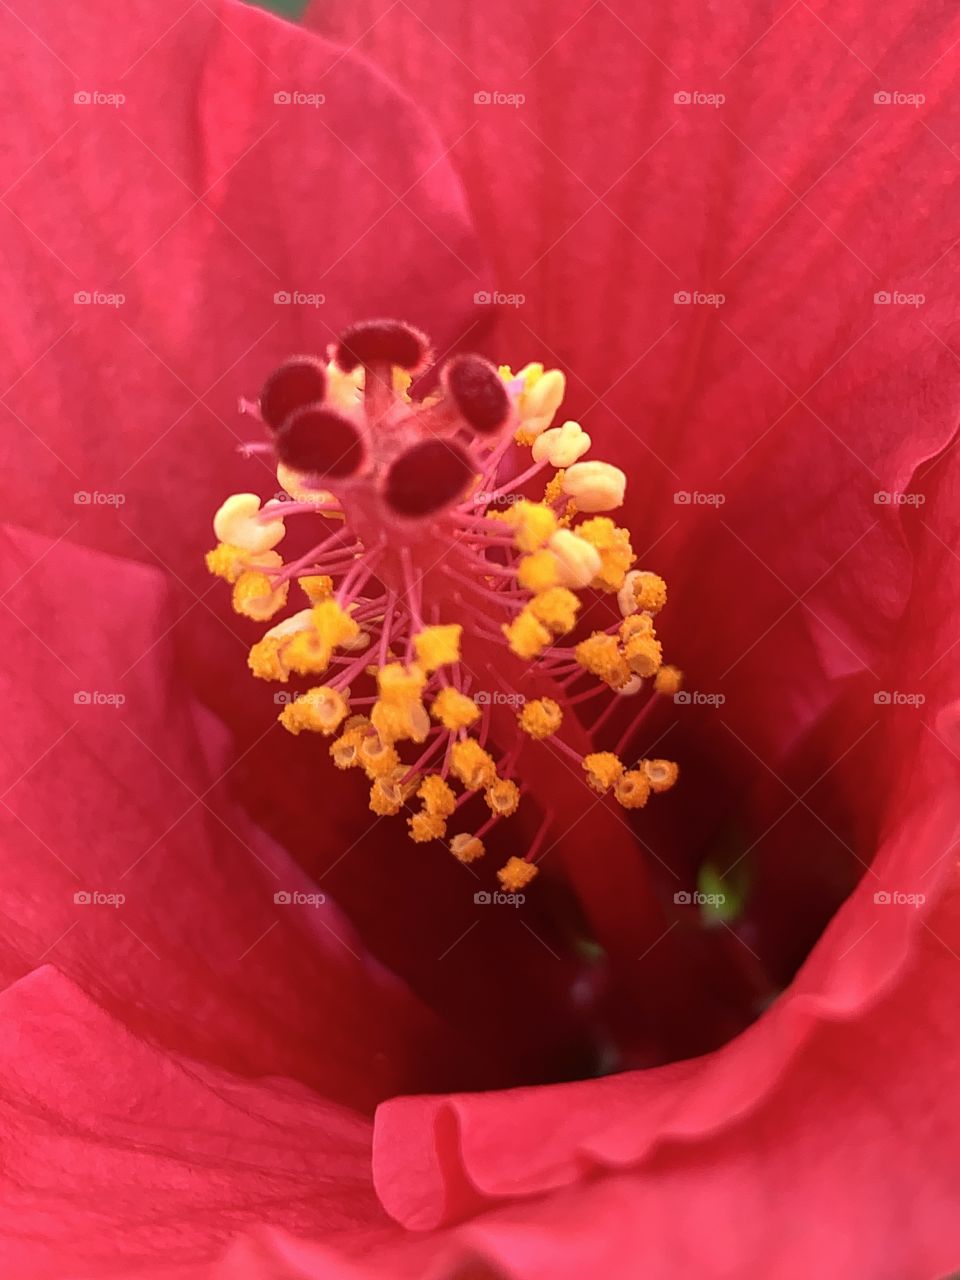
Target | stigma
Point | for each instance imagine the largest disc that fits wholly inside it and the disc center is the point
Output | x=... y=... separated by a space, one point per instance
x=430 y=620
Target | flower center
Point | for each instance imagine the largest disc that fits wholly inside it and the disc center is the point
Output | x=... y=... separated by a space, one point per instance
x=443 y=602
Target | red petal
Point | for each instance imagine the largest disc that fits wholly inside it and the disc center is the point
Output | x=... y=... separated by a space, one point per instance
x=199 y=198
x=117 y=1154
x=116 y=782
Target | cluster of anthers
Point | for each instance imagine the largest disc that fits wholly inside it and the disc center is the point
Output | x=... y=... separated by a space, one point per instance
x=440 y=639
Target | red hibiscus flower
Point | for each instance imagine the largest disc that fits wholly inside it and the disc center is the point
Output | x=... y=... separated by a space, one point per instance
x=733 y=232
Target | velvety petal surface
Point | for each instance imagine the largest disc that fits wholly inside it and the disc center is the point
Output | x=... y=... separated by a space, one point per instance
x=205 y=191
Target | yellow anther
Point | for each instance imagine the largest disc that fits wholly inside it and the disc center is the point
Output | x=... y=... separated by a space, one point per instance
x=400 y=685
x=265 y=662
x=426 y=826
x=538 y=572
x=344 y=751
x=579 y=561
x=357 y=644
x=603 y=770
x=637 y=624
x=561 y=446
x=225 y=561
x=361 y=723
x=333 y=624
x=228 y=562
x=516 y=875
x=317 y=587
x=472 y=765
x=399 y=713
x=376 y=758
x=643 y=654
x=556 y=608
x=642 y=590
x=554 y=489
x=454 y=710
x=386 y=797
x=600 y=655
x=437 y=796
x=668 y=680
x=320 y=710
x=503 y=797
x=633 y=790
x=400 y=721
x=541 y=717
x=661 y=774
x=306 y=654
x=438 y=646
x=466 y=848
x=613 y=544
x=254 y=595
x=534 y=523
x=237 y=524
x=526 y=635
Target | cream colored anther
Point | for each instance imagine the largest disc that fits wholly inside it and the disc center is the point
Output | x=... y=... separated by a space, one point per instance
x=539 y=405
x=301 y=621
x=595 y=486
x=626 y=596
x=561 y=446
x=295 y=484
x=236 y=523
x=631 y=688
x=578 y=561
